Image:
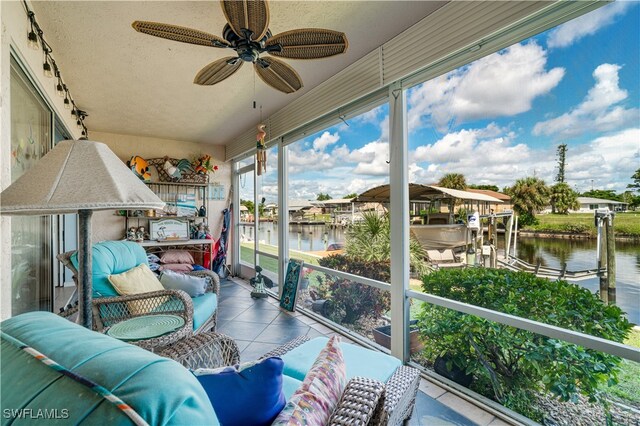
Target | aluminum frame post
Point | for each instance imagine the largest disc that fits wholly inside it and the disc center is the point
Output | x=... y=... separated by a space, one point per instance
x=399 y=206
x=283 y=213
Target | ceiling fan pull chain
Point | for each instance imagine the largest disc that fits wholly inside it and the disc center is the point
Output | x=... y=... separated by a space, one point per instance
x=254 y=90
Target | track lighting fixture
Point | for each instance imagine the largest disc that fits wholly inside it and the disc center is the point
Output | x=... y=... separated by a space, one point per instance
x=36 y=40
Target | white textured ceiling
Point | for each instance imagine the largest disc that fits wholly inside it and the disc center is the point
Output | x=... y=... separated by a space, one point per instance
x=133 y=83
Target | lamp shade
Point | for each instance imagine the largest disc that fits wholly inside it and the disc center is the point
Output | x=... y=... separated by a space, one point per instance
x=77 y=175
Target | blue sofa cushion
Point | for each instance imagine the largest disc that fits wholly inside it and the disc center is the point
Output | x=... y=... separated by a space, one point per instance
x=359 y=361
x=159 y=389
x=245 y=394
x=203 y=307
x=112 y=257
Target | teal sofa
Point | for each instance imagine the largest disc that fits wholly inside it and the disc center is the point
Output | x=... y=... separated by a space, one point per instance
x=161 y=390
x=115 y=257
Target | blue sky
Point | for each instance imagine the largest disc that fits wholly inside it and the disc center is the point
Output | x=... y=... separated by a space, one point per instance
x=501 y=117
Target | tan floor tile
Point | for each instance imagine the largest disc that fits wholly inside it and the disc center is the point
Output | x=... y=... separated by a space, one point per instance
x=467 y=409
x=433 y=390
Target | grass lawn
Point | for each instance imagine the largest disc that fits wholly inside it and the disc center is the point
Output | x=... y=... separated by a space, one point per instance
x=246 y=255
x=628 y=387
x=624 y=223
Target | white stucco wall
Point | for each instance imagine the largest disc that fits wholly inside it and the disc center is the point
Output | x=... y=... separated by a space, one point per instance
x=14 y=27
x=107 y=226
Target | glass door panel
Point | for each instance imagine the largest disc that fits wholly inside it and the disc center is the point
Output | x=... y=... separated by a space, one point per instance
x=31 y=236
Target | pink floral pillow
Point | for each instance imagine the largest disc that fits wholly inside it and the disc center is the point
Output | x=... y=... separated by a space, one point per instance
x=314 y=402
x=177 y=256
x=177 y=267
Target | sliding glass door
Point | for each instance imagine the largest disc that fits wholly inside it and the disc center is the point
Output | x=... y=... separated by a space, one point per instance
x=31 y=236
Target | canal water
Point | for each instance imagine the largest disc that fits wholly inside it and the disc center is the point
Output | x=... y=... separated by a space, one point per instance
x=551 y=252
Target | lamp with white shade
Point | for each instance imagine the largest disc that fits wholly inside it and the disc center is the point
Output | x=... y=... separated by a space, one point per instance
x=78 y=177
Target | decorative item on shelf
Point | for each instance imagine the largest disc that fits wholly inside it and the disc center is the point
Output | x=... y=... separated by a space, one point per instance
x=261 y=150
x=131 y=234
x=204 y=165
x=140 y=234
x=182 y=166
x=140 y=167
x=200 y=232
x=173 y=170
x=169 y=229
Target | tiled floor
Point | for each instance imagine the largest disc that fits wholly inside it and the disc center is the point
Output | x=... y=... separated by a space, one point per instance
x=259 y=325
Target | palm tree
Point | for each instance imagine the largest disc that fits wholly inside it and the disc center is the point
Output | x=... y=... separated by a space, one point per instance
x=529 y=195
x=563 y=198
x=453 y=181
x=370 y=240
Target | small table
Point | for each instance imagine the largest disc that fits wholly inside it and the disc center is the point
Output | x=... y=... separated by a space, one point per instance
x=150 y=331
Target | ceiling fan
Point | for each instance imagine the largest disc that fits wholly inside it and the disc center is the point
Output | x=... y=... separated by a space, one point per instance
x=247 y=32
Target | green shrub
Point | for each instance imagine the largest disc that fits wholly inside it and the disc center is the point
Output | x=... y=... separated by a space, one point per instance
x=506 y=360
x=352 y=301
x=526 y=219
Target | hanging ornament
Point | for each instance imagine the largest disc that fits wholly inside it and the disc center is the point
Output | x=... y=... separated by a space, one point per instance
x=261 y=150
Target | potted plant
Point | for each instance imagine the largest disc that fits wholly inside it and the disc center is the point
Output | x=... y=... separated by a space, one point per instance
x=382 y=336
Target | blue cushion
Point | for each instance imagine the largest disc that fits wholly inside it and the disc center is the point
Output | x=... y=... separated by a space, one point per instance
x=359 y=361
x=145 y=381
x=203 y=307
x=194 y=286
x=289 y=386
x=112 y=257
x=245 y=394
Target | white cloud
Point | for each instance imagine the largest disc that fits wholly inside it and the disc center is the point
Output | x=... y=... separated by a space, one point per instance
x=597 y=112
x=608 y=160
x=372 y=159
x=324 y=140
x=502 y=84
x=574 y=30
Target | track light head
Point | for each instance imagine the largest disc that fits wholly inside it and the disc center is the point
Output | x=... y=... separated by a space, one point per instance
x=33 y=40
x=47 y=69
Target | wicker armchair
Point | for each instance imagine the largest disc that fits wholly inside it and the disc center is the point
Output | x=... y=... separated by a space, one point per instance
x=110 y=310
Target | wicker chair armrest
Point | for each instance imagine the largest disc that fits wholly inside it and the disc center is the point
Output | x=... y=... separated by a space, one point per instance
x=397 y=402
x=110 y=310
x=358 y=402
x=214 y=279
x=204 y=350
x=281 y=350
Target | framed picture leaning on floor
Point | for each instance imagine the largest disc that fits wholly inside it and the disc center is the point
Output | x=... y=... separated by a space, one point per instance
x=290 y=285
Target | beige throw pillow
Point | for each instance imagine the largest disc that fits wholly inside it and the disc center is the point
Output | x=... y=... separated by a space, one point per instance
x=135 y=281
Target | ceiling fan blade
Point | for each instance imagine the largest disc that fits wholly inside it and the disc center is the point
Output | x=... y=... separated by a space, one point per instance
x=218 y=70
x=309 y=43
x=177 y=33
x=252 y=15
x=278 y=75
